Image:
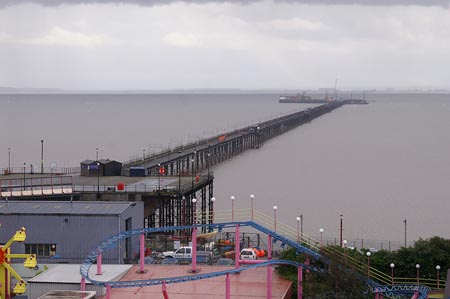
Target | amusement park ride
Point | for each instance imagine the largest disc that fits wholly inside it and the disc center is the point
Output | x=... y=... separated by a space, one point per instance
x=6 y=270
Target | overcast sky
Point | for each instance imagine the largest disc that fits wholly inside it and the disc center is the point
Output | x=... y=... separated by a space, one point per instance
x=136 y=44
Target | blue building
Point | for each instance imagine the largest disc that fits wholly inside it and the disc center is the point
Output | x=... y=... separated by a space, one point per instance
x=66 y=232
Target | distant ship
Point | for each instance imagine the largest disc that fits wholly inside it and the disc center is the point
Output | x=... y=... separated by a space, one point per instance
x=300 y=98
x=305 y=99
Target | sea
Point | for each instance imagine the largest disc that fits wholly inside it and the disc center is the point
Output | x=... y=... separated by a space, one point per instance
x=376 y=165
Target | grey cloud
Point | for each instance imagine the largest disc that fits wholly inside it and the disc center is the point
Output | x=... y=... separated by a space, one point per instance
x=4 y=3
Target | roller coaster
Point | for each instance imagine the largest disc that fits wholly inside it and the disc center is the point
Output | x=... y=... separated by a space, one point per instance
x=379 y=282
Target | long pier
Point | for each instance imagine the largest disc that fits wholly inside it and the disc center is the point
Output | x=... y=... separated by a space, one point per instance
x=203 y=154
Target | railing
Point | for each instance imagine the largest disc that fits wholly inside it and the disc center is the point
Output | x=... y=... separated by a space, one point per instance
x=37 y=170
x=341 y=255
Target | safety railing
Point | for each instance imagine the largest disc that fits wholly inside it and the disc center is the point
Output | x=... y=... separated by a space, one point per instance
x=360 y=266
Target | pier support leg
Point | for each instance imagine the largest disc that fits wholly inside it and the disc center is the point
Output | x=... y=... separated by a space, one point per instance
x=299 y=283
x=228 y=287
x=237 y=245
x=269 y=282
x=99 y=264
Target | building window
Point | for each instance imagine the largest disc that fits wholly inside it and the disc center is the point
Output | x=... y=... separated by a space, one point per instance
x=41 y=250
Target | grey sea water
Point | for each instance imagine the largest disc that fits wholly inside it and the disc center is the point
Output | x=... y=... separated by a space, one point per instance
x=376 y=164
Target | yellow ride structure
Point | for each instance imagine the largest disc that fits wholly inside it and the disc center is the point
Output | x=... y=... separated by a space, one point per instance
x=6 y=270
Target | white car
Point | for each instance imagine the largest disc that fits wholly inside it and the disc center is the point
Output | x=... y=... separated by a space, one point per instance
x=248 y=254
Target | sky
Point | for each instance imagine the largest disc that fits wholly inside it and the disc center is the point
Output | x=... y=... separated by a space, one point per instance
x=160 y=45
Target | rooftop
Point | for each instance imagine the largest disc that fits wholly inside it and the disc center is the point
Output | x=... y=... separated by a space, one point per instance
x=67 y=207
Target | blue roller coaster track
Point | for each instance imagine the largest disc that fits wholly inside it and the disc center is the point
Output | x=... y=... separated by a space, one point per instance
x=398 y=291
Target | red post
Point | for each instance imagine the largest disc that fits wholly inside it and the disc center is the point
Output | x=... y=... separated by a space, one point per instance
x=194 y=250
x=99 y=264
x=228 y=287
x=108 y=291
x=141 y=253
x=269 y=247
x=164 y=290
x=237 y=246
x=194 y=239
x=83 y=284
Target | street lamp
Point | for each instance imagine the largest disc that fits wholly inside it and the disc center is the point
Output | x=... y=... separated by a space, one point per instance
x=275 y=208
x=207 y=162
x=192 y=165
x=98 y=180
x=42 y=156
x=344 y=243
x=232 y=207
x=404 y=221
x=159 y=177
x=194 y=201
x=368 y=263
x=392 y=265
x=298 y=229
x=251 y=203
x=9 y=160
x=417 y=271
x=213 y=199
x=437 y=275
x=321 y=239
x=143 y=159
x=179 y=172
x=24 y=165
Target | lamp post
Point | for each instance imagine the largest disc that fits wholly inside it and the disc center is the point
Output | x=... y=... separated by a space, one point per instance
x=301 y=227
x=24 y=165
x=321 y=239
x=194 y=236
x=207 y=162
x=159 y=177
x=404 y=221
x=143 y=160
x=417 y=272
x=179 y=165
x=192 y=170
x=232 y=207
x=341 y=229
x=437 y=275
x=275 y=208
x=392 y=265
x=96 y=153
x=298 y=229
x=344 y=244
x=98 y=180
x=251 y=203
x=9 y=160
x=42 y=156
x=213 y=199
x=368 y=263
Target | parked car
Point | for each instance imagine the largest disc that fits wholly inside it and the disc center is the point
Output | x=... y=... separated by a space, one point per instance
x=180 y=253
x=225 y=262
x=248 y=254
